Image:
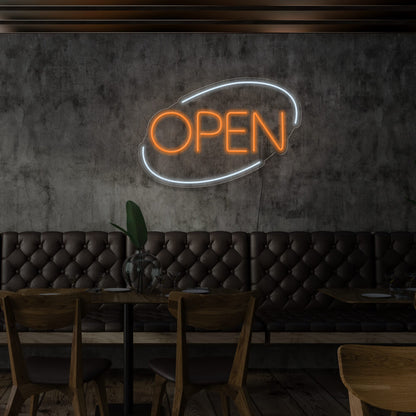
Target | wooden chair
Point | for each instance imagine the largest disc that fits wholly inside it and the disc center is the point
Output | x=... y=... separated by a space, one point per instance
x=226 y=375
x=35 y=375
x=384 y=377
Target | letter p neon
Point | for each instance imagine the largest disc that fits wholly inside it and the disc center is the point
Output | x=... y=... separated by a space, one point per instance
x=202 y=133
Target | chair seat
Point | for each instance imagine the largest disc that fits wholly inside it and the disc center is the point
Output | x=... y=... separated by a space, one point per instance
x=202 y=371
x=394 y=393
x=55 y=370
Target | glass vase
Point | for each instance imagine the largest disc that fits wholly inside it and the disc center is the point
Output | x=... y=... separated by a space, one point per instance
x=141 y=271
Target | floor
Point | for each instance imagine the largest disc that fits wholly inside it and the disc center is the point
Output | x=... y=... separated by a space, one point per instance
x=274 y=392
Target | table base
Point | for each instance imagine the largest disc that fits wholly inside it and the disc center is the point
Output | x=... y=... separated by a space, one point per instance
x=116 y=409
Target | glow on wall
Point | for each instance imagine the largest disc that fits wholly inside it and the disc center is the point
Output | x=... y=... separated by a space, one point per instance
x=219 y=133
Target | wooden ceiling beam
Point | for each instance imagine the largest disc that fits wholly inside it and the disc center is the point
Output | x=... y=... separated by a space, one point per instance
x=211 y=3
x=251 y=16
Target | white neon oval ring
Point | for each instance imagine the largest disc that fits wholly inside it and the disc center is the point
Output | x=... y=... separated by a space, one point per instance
x=254 y=166
x=246 y=82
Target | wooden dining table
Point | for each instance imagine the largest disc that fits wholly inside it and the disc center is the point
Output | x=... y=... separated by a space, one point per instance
x=128 y=298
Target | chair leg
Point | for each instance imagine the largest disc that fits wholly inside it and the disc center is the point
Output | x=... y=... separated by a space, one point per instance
x=101 y=396
x=357 y=407
x=14 y=403
x=34 y=403
x=169 y=408
x=78 y=402
x=158 y=391
x=242 y=401
x=225 y=405
x=178 y=406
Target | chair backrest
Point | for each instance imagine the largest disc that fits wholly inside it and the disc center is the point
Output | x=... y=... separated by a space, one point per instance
x=211 y=311
x=42 y=312
x=220 y=311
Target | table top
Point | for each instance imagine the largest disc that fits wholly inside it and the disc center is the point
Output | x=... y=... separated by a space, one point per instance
x=354 y=295
x=111 y=295
x=104 y=296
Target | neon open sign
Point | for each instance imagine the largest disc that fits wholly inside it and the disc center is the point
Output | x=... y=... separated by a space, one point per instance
x=223 y=123
x=196 y=141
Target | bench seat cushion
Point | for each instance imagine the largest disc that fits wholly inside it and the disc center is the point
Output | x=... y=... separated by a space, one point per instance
x=153 y=318
x=340 y=320
x=156 y=318
x=103 y=318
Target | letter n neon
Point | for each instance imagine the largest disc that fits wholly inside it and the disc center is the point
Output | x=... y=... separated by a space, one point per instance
x=256 y=119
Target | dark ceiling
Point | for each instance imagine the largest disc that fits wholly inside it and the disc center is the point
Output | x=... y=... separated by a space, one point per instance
x=244 y=16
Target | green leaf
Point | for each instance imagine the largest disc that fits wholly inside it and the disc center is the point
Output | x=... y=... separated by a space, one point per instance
x=121 y=229
x=412 y=201
x=136 y=225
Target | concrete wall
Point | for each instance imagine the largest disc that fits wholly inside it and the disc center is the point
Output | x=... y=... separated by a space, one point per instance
x=74 y=107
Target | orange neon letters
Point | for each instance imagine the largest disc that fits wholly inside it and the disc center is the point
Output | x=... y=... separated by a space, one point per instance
x=200 y=133
x=256 y=121
x=156 y=120
x=229 y=131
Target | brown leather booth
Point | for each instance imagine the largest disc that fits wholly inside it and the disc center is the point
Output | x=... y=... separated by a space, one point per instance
x=207 y=259
x=286 y=269
x=289 y=268
x=42 y=260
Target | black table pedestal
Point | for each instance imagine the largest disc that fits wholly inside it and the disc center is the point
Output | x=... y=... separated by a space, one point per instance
x=128 y=359
x=127 y=408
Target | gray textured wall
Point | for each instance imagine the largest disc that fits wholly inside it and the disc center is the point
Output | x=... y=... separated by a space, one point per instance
x=74 y=107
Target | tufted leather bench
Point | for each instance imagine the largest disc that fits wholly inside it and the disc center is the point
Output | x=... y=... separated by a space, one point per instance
x=208 y=259
x=286 y=269
x=50 y=259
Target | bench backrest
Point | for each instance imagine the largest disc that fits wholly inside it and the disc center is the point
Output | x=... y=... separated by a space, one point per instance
x=289 y=268
x=395 y=255
x=53 y=259
x=201 y=258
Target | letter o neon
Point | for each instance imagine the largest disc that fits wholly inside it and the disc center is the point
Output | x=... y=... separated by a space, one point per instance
x=176 y=114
